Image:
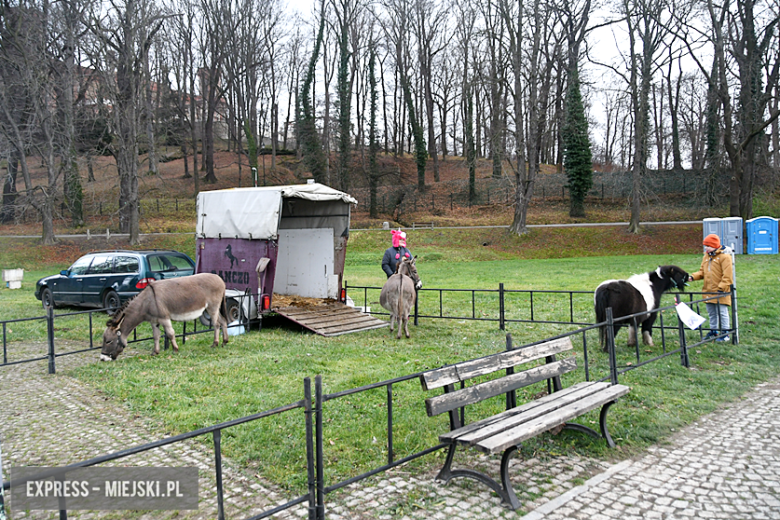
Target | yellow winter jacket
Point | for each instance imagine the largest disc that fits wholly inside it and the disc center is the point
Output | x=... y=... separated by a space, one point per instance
x=717 y=272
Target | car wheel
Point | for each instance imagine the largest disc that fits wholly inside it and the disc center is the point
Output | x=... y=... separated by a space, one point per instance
x=111 y=301
x=233 y=313
x=47 y=299
x=233 y=310
x=205 y=319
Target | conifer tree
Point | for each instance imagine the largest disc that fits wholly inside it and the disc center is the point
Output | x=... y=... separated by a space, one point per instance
x=577 y=158
x=313 y=155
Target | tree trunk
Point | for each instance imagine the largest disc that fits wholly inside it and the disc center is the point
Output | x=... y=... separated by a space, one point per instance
x=8 y=209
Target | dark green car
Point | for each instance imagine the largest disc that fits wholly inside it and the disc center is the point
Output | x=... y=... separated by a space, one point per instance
x=106 y=279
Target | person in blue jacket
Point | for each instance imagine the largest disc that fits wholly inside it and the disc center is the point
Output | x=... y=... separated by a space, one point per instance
x=394 y=254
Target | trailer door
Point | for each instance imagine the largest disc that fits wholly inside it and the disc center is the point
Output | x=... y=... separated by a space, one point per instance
x=304 y=265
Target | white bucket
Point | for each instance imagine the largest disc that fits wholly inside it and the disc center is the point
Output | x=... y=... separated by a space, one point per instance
x=13 y=275
x=236 y=328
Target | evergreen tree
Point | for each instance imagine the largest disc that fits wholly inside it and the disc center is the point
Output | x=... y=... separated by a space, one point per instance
x=345 y=94
x=373 y=145
x=577 y=158
x=313 y=155
x=420 y=150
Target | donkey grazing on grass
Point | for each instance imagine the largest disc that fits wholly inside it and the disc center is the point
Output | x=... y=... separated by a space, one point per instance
x=399 y=294
x=177 y=299
x=640 y=293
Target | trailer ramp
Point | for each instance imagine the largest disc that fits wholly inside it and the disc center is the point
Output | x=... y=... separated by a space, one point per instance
x=331 y=319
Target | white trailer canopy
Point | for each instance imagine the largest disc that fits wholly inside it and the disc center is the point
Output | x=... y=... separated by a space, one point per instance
x=256 y=213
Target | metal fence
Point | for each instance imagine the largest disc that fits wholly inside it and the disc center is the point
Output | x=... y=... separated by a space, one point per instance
x=610 y=187
x=443 y=196
x=504 y=306
x=187 y=329
x=216 y=432
x=315 y=412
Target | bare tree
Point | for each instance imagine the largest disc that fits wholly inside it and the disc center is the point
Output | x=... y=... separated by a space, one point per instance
x=544 y=45
x=27 y=119
x=123 y=35
x=217 y=25
x=430 y=27
x=745 y=53
x=396 y=28
x=464 y=37
x=495 y=82
x=647 y=24
x=292 y=71
x=67 y=26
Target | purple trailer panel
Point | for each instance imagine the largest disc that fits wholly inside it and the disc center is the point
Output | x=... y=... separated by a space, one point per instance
x=235 y=260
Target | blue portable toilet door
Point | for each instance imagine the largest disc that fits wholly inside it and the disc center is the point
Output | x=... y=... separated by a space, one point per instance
x=763 y=241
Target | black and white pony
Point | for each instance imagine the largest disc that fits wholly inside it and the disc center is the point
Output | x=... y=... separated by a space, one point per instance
x=640 y=293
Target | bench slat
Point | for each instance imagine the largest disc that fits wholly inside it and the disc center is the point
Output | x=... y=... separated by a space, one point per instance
x=507 y=419
x=476 y=431
x=473 y=394
x=516 y=435
x=463 y=371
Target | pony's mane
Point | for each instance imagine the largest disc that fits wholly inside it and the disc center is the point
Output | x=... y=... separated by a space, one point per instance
x=116 y=318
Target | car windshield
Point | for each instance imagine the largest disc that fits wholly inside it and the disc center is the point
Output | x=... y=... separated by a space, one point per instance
x=160 y=263
x=80 y=266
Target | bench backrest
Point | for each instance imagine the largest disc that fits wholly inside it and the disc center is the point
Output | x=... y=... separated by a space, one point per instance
x=449 y=375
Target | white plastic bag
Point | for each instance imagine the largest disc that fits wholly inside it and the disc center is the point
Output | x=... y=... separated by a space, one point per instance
x=691 y=320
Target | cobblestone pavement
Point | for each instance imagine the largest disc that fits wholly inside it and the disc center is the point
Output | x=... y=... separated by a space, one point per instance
x=724 y=466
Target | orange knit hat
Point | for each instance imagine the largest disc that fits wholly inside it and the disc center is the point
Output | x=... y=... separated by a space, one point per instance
x=712 y=240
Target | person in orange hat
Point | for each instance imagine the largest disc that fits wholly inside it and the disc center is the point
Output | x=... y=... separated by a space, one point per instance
x=394 y=254
x=717 y=272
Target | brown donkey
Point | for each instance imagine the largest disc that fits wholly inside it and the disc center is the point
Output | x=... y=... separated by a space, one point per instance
x=399 y=294
x=177 y=299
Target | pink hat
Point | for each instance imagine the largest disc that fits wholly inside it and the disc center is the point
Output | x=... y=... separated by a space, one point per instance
x=399 y=238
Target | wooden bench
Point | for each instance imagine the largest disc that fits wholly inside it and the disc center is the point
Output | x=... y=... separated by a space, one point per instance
x=504 y=431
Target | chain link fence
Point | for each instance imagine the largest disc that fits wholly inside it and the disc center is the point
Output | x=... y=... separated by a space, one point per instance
x=438 y=198
x=448 y=195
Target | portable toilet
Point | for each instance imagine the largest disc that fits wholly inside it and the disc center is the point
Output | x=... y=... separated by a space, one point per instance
x=732 y=234
x=762 y=236
x=712 y=226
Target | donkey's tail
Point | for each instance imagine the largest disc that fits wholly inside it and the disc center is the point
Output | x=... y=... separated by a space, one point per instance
x=601 y=302
x=223 y=309
x=400 y=307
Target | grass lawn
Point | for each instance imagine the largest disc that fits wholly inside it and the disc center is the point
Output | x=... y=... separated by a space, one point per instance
x=263 y=370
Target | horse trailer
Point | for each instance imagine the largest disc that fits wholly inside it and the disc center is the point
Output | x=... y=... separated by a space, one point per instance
x=280 y=249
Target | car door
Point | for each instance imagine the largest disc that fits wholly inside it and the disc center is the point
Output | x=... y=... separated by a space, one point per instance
x=126 y=275
x=96 y=279
x=68 y=289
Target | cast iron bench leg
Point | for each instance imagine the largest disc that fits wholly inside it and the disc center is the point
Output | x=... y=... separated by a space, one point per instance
x=504 y=490
x=582 y=429
x=603 y=424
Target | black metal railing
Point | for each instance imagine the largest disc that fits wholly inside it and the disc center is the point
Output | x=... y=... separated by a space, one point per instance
x=216 y=433
x=504 y=306
x=314 y=410
x=50 y=320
